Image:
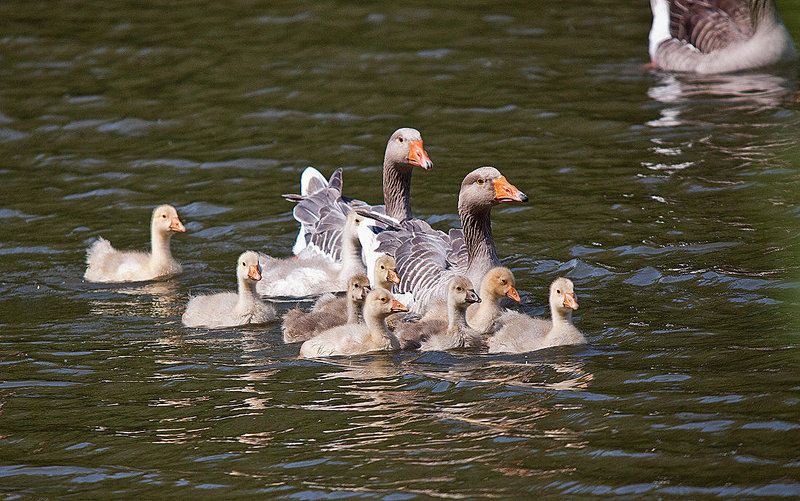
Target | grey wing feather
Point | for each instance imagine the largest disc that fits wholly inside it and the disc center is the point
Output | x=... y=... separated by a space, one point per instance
x=709 y=25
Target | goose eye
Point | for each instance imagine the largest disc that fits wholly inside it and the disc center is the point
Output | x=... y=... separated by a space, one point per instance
x=558 y=291
x=503 y=281
x=459 y=289
x=400 y=139
x=384 y=299
x=164 y=215
x=481 y=181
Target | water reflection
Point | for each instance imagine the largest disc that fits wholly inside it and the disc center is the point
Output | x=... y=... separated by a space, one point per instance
x=153 y=299
x=751 y=92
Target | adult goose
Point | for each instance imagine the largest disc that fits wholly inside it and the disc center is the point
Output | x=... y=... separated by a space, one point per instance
x=300 y=326
x=370 y=336
x=520 y=333
x=428 y=259
x=229 y=309
x=308 y=276
x=320 y=197
x=107 y=264
x=717 y=36
x=441 y=335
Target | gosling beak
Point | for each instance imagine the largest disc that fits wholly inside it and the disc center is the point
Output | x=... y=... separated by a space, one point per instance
x=507 y=192
x=513 y=294
x=254 y=273
x=417 y=155
x=176 y=225
x=570 y=301
x=472 y=297
x=398 y=306
x=393 y=277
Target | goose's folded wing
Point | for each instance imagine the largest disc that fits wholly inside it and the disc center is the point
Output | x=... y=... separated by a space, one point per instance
x=422 y=256
x=321 y=211
x=709 y=25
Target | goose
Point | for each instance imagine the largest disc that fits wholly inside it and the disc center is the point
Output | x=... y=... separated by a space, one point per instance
x=107 y=264
x=308 y=276
x=441 y=335
x=717 y=36
x=384 y=275
x=318 y=197
x=301 y=326
x=229 y=309
x=520 y=333
x=428 y=259
x=497 y=284
x=370 y=336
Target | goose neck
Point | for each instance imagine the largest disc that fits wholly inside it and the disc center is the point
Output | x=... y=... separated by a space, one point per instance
x=477 y=228
x=397 y=190
x=159 y=244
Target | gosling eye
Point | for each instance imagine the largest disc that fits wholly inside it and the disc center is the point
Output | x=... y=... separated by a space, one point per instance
x=503 y=281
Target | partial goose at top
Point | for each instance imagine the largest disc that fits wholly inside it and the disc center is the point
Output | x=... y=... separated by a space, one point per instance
x=718 y=36
x=321 y=201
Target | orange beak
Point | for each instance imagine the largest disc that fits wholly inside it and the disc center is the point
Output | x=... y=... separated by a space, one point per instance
x=253 y=272
x=513 y=294
x=176 y=225
x=417 y=155
x=570 y=301
x=507 y=192
x=393 y=277
x=398 y=306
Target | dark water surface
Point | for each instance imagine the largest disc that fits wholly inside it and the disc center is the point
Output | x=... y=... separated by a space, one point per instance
x=672 y=202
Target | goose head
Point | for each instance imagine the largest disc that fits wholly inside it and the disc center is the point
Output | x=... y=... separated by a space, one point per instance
x=460 y=292
x=351 y=225
x=358 y=288
x=562 y=296
x=484 y=188
x=404 y=149
x=166 y=221
x=247 y=268
x=380 y=303
x=499 y=282
x=386 y=271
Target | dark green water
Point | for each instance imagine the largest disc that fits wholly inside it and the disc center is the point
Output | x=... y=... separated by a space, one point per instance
x=672 y=203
